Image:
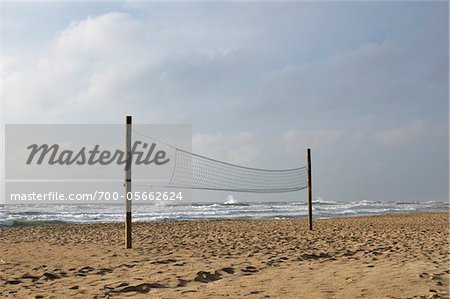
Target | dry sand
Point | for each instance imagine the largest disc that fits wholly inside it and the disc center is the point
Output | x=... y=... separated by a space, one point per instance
x=391 y=256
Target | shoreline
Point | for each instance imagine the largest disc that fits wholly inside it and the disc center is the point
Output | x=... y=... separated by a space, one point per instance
x=407 y=254
x=23 y=223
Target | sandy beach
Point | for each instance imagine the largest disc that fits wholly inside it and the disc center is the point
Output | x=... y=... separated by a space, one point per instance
x=388 y=256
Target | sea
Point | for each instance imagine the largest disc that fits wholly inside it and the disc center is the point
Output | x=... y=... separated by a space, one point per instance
x=29 y=215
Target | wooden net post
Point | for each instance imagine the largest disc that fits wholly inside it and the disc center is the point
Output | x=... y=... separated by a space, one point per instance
x=128 y=194
x=308 y=170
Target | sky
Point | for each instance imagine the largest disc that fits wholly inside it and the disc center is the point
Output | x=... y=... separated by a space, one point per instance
x=365 y=85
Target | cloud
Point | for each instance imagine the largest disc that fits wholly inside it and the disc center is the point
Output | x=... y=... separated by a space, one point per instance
x=405 y=134
x=411 y=133
x=100 y=34
x=370 y=79
x=80 y=69
x=187 y=66
x=114 y=63
x=336 y=77
x=239 y=148
x=296 y=142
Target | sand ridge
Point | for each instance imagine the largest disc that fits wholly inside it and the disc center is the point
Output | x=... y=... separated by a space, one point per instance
x=389 y=256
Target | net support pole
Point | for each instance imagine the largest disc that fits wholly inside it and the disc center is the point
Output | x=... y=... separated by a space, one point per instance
x=308 y=170
x=128 y=183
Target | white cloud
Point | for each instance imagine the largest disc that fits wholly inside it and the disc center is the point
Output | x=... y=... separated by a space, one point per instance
x=412 y=133
x=296 y=142
x=99 y=34
x=338 y=72
x=81 y=68
x=114 y=63
x=239 y=148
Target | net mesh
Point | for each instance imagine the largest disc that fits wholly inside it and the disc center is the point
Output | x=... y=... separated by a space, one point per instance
x=199 y=172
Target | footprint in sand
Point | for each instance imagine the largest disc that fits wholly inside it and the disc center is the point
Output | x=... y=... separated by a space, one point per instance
x=50 y=276
x=437 y=276
x=86 y=269
x=120 y=285
x=164 y=262
x=249 y=270
x=255 y=292
x=142 y=288
x=127 y=265
x=13 y=281
x=182 y=282
x=29 y=276
x=180 y=264
x=272 y=263
x=314 y=256
x=228 y=270
x=103 y=271
x=205 y=277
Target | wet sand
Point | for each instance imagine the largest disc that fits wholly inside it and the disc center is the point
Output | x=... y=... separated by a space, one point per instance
x=389 y=256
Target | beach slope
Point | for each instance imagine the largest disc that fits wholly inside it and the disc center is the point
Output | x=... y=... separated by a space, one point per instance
x=388 y=256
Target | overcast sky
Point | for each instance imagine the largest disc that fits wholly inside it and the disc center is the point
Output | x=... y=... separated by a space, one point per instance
x=365 y=85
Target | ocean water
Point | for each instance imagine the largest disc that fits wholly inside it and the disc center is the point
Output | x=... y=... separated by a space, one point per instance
x=24 y=215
